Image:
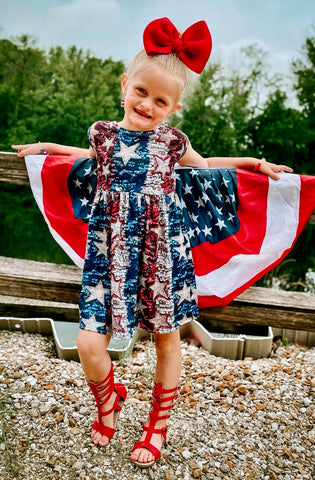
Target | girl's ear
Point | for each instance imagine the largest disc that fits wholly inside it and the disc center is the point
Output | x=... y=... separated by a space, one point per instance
x=124 y=82
x=177 y=107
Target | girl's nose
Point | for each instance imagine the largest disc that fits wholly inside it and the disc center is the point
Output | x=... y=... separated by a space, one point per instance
x=146 y=104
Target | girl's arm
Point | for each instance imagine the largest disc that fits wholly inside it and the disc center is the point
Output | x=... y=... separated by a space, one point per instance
x=192 y=159
x=53 y=149
x=250 y=163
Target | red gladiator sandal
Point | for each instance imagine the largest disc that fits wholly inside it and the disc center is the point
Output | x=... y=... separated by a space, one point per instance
x=102 y=392
x=156 y=408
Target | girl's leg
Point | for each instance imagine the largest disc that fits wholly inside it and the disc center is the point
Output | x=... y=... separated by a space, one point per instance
x=167 y=373
x=97 y=364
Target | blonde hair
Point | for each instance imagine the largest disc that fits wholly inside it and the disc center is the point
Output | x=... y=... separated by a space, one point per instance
x=170 y=63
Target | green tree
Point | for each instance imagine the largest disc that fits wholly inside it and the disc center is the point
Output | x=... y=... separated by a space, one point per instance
x=223 y=102
x=304 y=72
x=82 y=89
x=278 y=133
x=54 y=96
x=21 y=67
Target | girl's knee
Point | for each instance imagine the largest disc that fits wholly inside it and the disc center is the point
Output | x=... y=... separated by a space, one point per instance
x=167 y=342
x=91 y=344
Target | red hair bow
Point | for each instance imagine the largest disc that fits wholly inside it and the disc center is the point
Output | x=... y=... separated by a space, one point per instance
x=193 y=47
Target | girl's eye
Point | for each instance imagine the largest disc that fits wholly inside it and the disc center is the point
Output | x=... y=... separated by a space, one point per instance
x=161 y=101
x=141 y=90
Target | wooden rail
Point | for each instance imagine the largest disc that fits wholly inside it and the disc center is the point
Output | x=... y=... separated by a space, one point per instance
x=45 y=289
x=13 y=169
x=29 y=288
x=264 y=306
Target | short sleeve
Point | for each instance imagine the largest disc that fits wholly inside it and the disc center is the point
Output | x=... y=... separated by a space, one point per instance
x=181 y=143
x=91 y=135
x=185 y=143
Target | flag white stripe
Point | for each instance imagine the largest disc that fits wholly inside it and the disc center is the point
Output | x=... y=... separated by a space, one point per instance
x=34 y=165
x=282 y=222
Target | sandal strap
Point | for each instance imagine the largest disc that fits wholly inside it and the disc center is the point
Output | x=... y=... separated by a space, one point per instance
x=157 y=408
x=120 y=397
x=102 y=392
x=161 y=431
x=157 y=400
x=158 y=389
x=107 y=431
x=144 y=444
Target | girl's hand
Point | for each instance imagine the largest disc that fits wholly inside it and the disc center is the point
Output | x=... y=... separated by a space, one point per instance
x=49 y=148
x=29 y=149
x=270 y=169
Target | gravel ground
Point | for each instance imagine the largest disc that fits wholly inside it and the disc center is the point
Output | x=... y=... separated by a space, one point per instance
x=245 y=419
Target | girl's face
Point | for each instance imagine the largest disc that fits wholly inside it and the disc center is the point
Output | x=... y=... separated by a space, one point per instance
x=150 y=96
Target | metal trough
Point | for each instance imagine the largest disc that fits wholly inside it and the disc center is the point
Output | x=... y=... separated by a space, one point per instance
x=233 y=346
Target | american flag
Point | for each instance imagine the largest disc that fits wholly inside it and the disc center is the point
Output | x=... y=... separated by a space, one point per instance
x=240 y=224
x=209 y=202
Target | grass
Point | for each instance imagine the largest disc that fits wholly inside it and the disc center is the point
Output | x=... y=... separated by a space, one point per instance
x=266 y=470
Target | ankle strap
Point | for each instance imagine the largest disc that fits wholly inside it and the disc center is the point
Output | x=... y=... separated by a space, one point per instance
x=103 y=390
x=157 y=400
x=158 y=391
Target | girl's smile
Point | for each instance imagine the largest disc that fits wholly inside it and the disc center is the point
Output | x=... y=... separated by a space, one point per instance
x=143 y=114
x=150 y=97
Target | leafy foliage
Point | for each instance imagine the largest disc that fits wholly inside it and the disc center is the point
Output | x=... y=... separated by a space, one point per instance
x=54 y=96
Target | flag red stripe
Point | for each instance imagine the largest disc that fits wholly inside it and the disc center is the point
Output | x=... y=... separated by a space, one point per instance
x=305 y=210
x=57 y=202
x=248 y=240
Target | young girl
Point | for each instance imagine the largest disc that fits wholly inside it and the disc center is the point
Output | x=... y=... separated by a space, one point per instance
x=138 y=270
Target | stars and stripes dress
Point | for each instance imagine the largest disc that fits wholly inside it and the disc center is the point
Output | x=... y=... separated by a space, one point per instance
x=138 y=270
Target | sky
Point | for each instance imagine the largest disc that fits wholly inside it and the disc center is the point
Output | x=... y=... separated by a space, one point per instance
x=113 y=28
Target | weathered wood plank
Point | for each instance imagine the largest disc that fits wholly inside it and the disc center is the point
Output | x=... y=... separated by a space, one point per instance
x=39 y=280
x=31 y=308
x=13 y=169
x=260 y=296
x=265 y=306
x=47 y=282
x=241 y=315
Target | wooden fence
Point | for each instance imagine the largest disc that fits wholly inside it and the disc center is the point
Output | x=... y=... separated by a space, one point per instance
x=38 y=289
